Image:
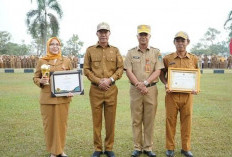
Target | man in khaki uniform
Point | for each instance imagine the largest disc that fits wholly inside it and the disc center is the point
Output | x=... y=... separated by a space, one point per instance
x=18 y=62
x=8 y=62
x=12 y=61
x=214 y=61
x=142 y=65
x=75 y=61
x=206 y=60
x=229 y=59
x=103 y=65
x=1 y=62
x=182 y=102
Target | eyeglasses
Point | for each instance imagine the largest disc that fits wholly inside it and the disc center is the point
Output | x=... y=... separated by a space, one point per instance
x=52 y=44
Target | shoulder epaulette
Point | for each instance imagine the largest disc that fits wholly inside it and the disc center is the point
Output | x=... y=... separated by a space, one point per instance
x=170 y=54
x=133 y=48
x=191 y=54
x=91 y=46
x=155 y=48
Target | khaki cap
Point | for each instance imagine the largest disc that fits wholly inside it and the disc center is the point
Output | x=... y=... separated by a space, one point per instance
x=144 y=29
x=103 y=25
x=181 y=34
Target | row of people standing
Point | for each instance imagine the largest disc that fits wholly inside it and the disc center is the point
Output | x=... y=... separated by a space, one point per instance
x=215 y=62
x=12 y=61
x=103 y=66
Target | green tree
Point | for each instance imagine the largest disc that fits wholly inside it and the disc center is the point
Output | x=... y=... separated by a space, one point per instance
x=209 y=45
x=40 y=21
x=211 y=35
x=16 y=49
x=229 y=20
x=5 y=37
x=73 y=46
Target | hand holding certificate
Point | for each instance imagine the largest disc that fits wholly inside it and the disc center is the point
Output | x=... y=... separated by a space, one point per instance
x=183 y=80
x=65 y=82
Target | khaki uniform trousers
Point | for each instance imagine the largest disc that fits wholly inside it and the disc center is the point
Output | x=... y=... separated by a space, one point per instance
x=143 y=110
x=55 y=118
x=183 y=103
x=103 y=101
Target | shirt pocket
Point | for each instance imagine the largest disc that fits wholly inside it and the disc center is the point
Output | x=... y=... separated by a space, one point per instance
x=111 y=61
x=111 y=58
x=136 y=63
x=190 y=64
x=172 y=64
x=96 y=61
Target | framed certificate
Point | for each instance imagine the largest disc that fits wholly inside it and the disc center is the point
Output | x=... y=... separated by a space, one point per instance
x=63 y=82
x=183 y=80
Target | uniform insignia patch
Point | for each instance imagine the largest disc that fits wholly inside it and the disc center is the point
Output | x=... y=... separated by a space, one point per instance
x=172 y=63
x=136 y=57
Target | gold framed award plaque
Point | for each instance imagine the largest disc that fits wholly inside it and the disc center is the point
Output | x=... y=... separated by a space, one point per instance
x=184 y=80
x=64 y=82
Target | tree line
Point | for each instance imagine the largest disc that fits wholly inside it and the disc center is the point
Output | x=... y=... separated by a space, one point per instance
x=43 y=23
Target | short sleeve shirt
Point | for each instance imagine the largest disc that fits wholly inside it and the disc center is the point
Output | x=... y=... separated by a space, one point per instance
x=136 y=61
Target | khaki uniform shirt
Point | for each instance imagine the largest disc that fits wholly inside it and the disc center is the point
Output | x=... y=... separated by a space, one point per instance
x=136 y=61
x=45 y=93
x=103 y=63
x=173 y=60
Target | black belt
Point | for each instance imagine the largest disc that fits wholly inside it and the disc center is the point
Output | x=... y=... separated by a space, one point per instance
x=149 y=85
x=97 y=84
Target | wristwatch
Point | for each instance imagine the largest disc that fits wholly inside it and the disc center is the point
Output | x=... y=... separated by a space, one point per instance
x=145 y=83
x=112 y=80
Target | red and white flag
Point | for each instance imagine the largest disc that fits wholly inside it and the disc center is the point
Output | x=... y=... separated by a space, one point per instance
x=230 y=46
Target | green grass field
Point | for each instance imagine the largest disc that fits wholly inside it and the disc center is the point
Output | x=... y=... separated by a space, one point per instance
x=21 y=132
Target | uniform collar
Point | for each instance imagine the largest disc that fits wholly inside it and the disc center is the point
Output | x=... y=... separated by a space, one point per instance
x=98 y=45
x=148 y=48
x=187 y=55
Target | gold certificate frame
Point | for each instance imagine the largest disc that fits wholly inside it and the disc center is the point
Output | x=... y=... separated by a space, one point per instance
x=184 y=80
x=65 y=82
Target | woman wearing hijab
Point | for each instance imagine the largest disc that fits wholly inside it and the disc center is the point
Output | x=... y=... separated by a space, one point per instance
x=54 y=110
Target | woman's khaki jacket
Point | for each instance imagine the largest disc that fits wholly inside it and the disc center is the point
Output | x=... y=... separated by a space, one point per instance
x=45 y=93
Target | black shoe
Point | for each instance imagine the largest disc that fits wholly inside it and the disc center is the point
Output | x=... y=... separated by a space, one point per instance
x=149 y=153
x=62 y=155
x=186 y=153
x=170 y=153
x=136 y=153
x=97 y=154
x=109 y=153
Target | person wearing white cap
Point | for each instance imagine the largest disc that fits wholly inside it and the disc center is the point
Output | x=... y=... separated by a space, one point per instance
x=103 y=65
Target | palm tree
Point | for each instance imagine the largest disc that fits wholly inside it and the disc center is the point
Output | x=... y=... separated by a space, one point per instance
x=229 y=19
x=41 y=22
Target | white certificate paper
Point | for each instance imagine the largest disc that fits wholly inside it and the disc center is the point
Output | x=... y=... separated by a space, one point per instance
x=66 y=82
x=183 y=80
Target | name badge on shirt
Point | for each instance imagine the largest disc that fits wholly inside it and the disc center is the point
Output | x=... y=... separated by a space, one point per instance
x=172 y=63
x=136 y=57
